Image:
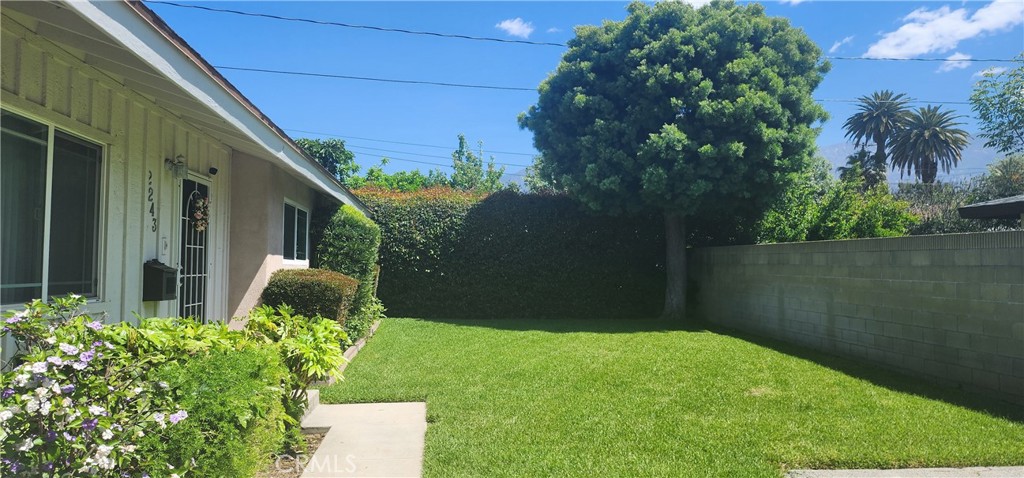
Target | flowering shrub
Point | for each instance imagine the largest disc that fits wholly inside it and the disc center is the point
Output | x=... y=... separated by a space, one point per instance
x=78 y=404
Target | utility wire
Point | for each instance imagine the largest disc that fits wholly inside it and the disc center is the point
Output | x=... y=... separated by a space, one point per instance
x=382 y=80
x=428 y=163
x=449 y=148
x=426 y=155
x=507 y=40
x=354 y=149
x=364 y=27
x=490 y=87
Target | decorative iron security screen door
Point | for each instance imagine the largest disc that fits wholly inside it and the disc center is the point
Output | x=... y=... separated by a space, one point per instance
x=195 y=220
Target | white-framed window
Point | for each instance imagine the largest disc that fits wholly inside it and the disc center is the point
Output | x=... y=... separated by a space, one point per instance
x=296 y=232
x=49 y=211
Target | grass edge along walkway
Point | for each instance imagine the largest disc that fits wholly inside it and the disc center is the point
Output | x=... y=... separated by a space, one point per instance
x=627 y=398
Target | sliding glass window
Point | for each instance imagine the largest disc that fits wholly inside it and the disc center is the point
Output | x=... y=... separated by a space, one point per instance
x=49 y=212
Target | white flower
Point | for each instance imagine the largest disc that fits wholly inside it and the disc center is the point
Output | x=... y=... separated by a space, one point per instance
x=26 y=445
x=107 y=434
x=96 y=410
x=137 y=390
x=55 y=360
x=42 y=392
x=159 y=418
x=140 y=433
x=32 y=405
x=51 y=340
x=5 y=415
x=163 y=384
x=127 y=448
x=79 y=365
x=44 y=408
x=68 y=349
x=55 y=388
x=40 y=367
x=22 y=379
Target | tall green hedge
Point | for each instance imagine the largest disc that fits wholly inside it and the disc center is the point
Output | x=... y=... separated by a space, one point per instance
x=448 y=254
x=349 y=245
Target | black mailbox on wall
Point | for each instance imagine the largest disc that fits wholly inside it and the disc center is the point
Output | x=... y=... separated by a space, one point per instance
x=159 y=282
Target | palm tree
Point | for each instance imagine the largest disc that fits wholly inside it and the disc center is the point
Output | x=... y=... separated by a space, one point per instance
x=929 y=140
x=879 y=118
x=863 y=166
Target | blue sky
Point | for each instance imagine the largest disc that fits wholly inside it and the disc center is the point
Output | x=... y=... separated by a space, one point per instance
x=373 y=117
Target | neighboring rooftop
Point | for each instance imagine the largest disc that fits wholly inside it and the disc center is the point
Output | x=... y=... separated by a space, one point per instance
x=1005 y=208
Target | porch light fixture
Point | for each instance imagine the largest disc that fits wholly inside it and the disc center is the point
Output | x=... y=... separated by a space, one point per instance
x=177 y=167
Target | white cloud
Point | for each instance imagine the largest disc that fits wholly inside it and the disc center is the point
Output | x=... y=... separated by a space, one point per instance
x=837 y=45
x=554 y=30
x=955 y=61
x=942 y=29
x=695 y=3
x=516 y=27
x=995 y=70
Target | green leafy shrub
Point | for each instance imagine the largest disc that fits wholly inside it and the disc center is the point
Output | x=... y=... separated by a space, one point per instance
x=350 y=245
x=848 y=213
x=235 y=411
x=310 y=349
x=455 y=254
x=312 y=292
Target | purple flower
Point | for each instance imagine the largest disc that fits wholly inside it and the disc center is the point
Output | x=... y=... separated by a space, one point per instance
x=86 y=356
x=7 y=393
x=178 y=416
x=68 y=349
x=89 y=424
x=95 y=325
x=69 y=437
x=13 y=320
x=51 y=436
x=67 y=389
x=48 y=466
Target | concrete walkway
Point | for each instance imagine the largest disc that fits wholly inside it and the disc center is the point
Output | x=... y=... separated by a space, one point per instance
x=980 y=472
x=368 y=440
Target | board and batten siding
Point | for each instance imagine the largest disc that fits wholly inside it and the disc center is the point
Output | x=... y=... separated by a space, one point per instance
x=50 y=83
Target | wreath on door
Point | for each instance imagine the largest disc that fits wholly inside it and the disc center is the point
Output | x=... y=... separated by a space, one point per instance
x=200 y=214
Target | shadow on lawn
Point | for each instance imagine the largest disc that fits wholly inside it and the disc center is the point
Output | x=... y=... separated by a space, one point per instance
x=597 y=326
x=875 y=374
x=883 y=377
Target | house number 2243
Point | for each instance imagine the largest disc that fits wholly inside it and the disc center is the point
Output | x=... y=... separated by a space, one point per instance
x=152 y=204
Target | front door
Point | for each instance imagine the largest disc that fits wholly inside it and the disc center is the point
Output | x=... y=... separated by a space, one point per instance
x=195 y=224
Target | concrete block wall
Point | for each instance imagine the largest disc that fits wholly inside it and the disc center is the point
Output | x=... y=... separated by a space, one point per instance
x=949 y=308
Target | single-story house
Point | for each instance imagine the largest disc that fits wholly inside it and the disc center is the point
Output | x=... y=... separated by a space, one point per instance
x=133 y=173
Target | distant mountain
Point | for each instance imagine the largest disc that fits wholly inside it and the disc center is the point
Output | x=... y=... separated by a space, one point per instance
x=976 y=158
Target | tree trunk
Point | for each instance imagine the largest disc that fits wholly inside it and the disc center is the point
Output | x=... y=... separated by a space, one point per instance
x=880 y=151
x=675 y=267
x=929 y=170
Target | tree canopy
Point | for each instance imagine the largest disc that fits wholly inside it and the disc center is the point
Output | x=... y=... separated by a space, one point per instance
x=693 y=112
x=999 y=102
x=332 y=155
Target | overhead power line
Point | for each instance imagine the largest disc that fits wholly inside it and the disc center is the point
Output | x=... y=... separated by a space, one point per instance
x=382 y=80
x=429 y=163
x=505 y=40
x=490 y=87
x=357 y=149
x=363 y=27
x=449 y=148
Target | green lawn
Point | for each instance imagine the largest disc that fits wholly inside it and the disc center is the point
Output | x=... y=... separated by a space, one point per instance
x=614 y=398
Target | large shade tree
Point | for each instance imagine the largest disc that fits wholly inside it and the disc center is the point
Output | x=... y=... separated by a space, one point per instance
x=998 y=99
x=698 y=113
x=877 y=120
x=930 y=140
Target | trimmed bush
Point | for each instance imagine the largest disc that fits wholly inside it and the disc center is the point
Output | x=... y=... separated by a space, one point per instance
x=312 y=292
x=349 y=245
x=449 y=254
